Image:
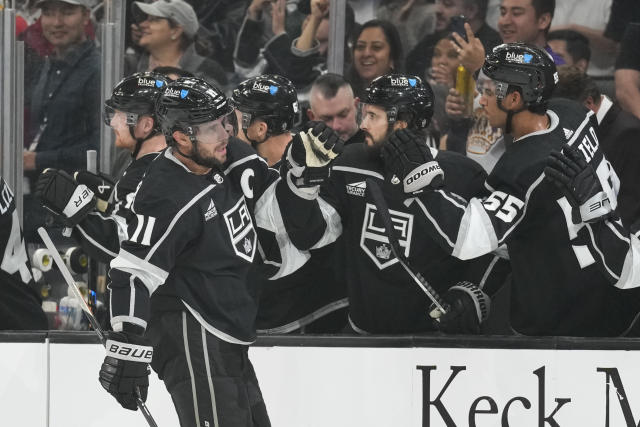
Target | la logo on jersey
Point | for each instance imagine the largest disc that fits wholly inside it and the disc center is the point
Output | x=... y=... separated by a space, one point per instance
x=243 y=235
x=374 y=241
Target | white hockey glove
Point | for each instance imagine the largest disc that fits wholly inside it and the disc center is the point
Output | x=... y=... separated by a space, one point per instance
x=407 y=158
x=468 y=307
x=309 y=155
x=125 y=369
x=579 y=183
x=64 y=197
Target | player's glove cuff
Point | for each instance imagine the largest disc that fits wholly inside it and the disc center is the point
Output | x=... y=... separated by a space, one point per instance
x=426 y=175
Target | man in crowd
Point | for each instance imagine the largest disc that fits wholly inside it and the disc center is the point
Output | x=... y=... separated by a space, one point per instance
x=572 y=47
x=331 y=101
x=65 y=102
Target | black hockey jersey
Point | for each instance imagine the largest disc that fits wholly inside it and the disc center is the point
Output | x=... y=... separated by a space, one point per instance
x=382 y=296
x=192 y=243
x=99 y=233
x=19 y=303
x=558 y=285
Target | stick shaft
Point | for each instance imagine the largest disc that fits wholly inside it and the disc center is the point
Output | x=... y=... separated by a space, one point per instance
x=87 y=311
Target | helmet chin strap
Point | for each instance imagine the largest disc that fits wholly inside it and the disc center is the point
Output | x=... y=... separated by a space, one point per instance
x=510 y=114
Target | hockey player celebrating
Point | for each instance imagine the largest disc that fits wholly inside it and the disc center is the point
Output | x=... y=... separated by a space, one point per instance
x=100 y=220
x=382 y=297
x=312 y=298
x=191 y=245
x=558 y=287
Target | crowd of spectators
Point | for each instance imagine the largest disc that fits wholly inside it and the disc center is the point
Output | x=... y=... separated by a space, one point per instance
x=595 y=43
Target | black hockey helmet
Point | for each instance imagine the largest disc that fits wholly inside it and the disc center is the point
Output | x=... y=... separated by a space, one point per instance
x=400 y=93
x=525 y=66
x=187 y=102
x=135 y=95
x=269 y=97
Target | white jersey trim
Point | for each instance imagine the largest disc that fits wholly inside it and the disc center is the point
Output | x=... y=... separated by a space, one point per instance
x=218 y=333
x=150 y=275
x=358 y=170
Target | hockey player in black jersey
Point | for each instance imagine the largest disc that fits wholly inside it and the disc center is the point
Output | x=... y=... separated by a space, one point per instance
x=19 y=303
x=312 y=299
x=191 y=245
x=558 y=287
x=101 y=223
x=383 y=298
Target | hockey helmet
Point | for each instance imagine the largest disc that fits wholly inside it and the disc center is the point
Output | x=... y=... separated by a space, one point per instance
x=400 y=93
x=135 y=95
x=525 y=66
x=188 y=102
x=269 y=97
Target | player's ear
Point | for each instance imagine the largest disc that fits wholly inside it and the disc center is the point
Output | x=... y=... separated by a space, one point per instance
x=183 y=142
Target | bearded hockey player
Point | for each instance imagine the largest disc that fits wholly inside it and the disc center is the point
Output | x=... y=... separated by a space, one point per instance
x=558 y=286
x=383 y=298
x=191 y=245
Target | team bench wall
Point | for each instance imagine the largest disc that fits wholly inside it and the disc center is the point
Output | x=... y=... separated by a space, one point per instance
x=50 y=380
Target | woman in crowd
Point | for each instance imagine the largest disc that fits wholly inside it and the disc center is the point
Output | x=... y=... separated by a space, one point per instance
x=377 y=51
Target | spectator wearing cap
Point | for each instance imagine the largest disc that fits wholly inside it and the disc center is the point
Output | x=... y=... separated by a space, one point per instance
x=64 y=103
x=167 y=32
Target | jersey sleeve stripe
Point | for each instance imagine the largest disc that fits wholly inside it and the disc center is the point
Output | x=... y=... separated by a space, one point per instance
x=630 y=276
x=243 y=160
x=488 y=271
x=176 y=218
x=433 y=221
x=600 y=254
x=117 y=322
x=359 y=171
x=476 y=235
x=149 y=274
x=452 y=200
x=334 y=224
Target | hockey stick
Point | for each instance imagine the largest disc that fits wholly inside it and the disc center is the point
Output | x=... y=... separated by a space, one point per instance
x=83 y=304
x=381 y=205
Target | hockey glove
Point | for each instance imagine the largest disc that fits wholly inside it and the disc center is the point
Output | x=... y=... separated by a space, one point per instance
x=310 y=154
x=64 y=197
x=578 y=181
x=102 y=186
x=468 y=308
x=126 y=368
x=408 y=159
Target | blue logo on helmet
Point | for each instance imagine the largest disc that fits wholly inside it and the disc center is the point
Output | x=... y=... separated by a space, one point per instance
x=159 y=83
x=527 y=58
x=184 y=93
x=273 y=90
x=412 y=82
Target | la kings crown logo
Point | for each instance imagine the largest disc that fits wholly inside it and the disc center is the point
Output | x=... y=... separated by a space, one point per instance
x=243 y=235
x=374 y=241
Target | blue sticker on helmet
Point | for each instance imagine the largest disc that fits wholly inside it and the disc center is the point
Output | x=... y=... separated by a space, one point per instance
x=159 y=83
x=184 y=93
x=527 y=58
x=273 y=90
x=412 y=82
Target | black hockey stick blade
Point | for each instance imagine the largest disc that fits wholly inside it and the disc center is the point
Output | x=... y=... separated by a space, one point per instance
x=383 y=211
x=87 y=311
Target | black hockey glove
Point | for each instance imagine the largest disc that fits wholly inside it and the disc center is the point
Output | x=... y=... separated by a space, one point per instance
x=101 y=184
x=407 y=158
x=126 y=368
x=579 y=183
x=310 y=153
x=468 y=308
x=64 y=197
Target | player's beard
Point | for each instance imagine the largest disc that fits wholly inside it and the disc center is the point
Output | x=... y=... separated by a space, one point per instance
x=209 y=162
x=373 y=151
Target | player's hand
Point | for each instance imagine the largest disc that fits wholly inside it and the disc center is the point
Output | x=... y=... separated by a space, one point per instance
x=468 y=308
x=101 y=184
x=309 y=155
x=126 y=368
x=407 y=158
x=62 y=195
x=578 y=181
